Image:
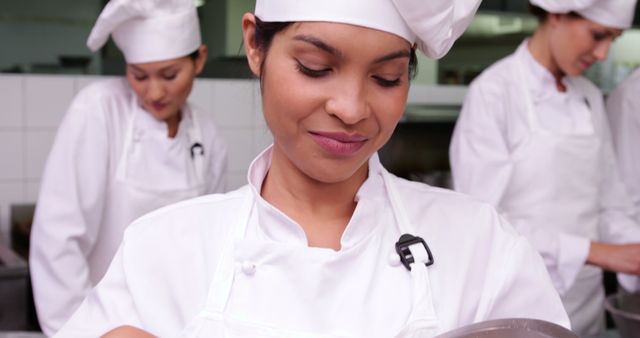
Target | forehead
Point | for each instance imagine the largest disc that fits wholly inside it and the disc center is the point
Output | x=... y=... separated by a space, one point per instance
x=343 y=33
x=158 y=66
x=615 y=32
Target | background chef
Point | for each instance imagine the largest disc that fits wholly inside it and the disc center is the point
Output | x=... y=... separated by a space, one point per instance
x=310 y=247
x=125 y=147
x=533 y=140
x=623 y=111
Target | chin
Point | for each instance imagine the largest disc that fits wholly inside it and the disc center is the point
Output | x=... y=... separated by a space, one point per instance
x=333 y=171
x=161 y=116
x=574 y=71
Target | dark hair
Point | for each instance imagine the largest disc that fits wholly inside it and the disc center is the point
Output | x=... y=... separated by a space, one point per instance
x=195 y=54
x=265 y=31
x=541 y=14
x=538 y=12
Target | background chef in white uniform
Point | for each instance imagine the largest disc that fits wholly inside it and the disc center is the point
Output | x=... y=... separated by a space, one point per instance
x=124 y=148
x=308 y=247
x=533 y=140
x=623 y=111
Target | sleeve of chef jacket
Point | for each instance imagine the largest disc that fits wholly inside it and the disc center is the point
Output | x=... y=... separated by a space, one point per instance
x=516 y=267
x=481 y=166
x=623 y=112
x=216 y=154
x=106 y=307
x=68 y=213
x=619 y=222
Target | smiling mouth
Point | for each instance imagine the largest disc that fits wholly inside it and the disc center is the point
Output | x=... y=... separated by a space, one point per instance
x=341 y=144
x=158 y=106
x=586 y=64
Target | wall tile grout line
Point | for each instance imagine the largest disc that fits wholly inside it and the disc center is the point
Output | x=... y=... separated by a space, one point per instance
x=23 y=108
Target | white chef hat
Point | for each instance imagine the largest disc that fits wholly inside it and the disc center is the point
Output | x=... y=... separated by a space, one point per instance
x=433 y=24
x=611 y=13
x=148 y=30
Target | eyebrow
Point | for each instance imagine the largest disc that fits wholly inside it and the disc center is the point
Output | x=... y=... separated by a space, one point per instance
x=394 y=55
x=163 y=69
x=333 y=51
x=318 y=43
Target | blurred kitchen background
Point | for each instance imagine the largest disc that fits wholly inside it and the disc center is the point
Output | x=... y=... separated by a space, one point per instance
x=44 y=62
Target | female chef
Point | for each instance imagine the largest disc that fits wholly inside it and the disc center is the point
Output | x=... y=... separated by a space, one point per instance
x=125 y=147
x=623 y=111
x=532 y=139
x=323 y=241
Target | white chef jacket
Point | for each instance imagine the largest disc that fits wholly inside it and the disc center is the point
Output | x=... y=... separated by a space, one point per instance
x=79 y=222
x=160 y=276
x=493 y=125
x=623 y=111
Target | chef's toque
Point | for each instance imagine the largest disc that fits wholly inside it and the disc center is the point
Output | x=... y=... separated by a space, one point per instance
x=610 y=13
x=148 y=30
x=433 y=25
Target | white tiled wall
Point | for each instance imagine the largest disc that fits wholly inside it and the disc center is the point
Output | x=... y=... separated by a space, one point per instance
x=32 y=106
x=46 y=99
x=11 y=101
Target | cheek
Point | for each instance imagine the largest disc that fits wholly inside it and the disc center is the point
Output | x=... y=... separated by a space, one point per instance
x=388 y=109
x=564 y=52
x=137 y=87
x=575 y=43
x=286 y=97
x=181 y=89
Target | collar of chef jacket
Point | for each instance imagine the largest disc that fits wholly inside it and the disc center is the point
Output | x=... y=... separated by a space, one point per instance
x=145 y=122
x=542 y=87
x=541 y=82
x=275 y=225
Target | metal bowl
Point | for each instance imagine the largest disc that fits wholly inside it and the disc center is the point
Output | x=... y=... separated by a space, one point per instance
x=511 y=327
x=625 y=310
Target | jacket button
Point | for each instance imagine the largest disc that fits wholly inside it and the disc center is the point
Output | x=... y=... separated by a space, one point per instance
x=248 y=268
x=394 y=259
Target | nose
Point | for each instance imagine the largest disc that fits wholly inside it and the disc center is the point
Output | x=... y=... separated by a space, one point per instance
x=602 y=50
x=155 y=91
x=349 y=103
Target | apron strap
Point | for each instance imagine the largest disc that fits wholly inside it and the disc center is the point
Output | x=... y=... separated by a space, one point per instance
x=524 y=91
x=123 y=164
x=402 y=222
x=534 y=123
x=220 y=288
x=422 y=308
x=195 y=139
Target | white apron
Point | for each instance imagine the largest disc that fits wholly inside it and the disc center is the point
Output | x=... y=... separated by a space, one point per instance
x=554 y=186
x=213 y=321
x=131 y=196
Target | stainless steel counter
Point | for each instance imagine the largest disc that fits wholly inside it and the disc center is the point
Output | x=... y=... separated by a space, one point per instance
x=21 y=334
x=606 y=334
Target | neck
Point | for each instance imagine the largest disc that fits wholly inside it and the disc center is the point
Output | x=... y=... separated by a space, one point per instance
x=323 y=210
x=540 y=48
x=172 y=124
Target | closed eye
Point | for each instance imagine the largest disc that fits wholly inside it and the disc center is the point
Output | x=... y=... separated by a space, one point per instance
x=386 y=82
x=315 y=73
x=601 y=35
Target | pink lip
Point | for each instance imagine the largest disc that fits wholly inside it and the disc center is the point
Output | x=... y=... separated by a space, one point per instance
x=586 y=64
x=339 y=143
x=158 y=106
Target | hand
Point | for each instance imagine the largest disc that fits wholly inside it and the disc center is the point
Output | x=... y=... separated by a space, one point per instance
x=127 y=332
x=624 y=258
